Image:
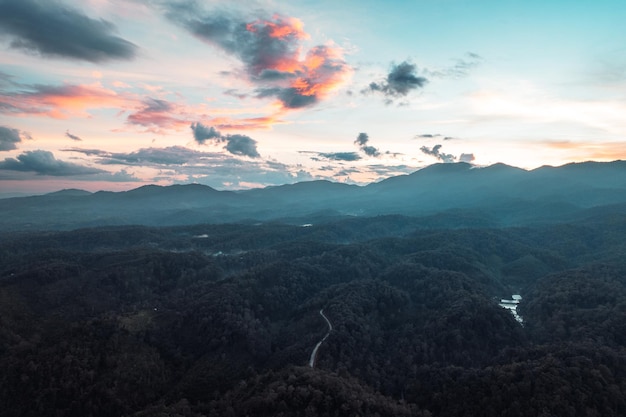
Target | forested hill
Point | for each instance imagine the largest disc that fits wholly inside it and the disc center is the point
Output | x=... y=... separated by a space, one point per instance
x=221 y=320
x=498 y=195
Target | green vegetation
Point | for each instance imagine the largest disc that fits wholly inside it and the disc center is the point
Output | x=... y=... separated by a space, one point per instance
x=220 y=320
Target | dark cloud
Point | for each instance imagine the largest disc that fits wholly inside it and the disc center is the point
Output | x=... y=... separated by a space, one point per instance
x=10 y=137
x=241 y=145
x=202 y=133
x=332 y=156
x=275 y=75
x=370 y=151
x=270 y=50
x=401 y=80
x=50 y=28
x=361 y=141
x=435 y=151
x=73 y=137
x=340 y=156
x=261 y=45
x=44 y=163
x=235 y=144
x=293 y=98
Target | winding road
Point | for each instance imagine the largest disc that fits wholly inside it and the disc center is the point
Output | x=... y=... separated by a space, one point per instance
x=314 y=353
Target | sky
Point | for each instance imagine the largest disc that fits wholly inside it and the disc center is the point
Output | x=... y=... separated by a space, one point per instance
x=116 y=94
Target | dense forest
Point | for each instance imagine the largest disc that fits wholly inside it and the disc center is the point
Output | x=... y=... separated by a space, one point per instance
x=221 y=320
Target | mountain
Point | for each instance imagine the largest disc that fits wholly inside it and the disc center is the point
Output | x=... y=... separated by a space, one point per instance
x=497 y=195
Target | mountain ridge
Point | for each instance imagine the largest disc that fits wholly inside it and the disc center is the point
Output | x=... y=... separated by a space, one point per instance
x=507 y=194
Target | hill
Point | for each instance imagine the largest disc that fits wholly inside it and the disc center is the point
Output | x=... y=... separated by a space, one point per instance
x=498 y=195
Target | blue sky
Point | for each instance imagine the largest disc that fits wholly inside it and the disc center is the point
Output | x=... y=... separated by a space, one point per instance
x=113 y=94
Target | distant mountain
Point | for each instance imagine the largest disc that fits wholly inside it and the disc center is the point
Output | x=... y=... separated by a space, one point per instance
x=498 y=195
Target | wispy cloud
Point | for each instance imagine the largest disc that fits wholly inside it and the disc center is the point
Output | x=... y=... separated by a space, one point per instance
x=151 y=157
x=52 y=29
x=212 y=168
x=73 y=137
x=461 y=67
x=9 y=138
x=59 y=101
x=432 y=136
x=589 y=150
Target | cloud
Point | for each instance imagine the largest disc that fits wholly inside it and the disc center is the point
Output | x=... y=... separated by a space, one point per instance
x=432 y=136
x=241 y=145
x=212 y=168
x=120 y=176
x=10 y=137
x=361 y=141
x=271 y=51
x=44 y=163
x=73 y=137
x=333 y=156
x=59 y=101
x=52 y=29
x=460 y=69
x=340 y=156
x=153 y=157
x=385 y=171
x=401 y=80
x=202 y=133
x=235 y=93
x=467 y=157
x=156 y=113
x=434 y=151
x=235 y=144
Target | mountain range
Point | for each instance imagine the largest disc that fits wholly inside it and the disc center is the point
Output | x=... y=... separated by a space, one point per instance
x=466 y=195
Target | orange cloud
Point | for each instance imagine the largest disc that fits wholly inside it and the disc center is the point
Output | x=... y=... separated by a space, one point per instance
x=249 y=123
x=271 y=51
x=281 y=27
x=60 y=102
x=155 y=115
x=599 y=151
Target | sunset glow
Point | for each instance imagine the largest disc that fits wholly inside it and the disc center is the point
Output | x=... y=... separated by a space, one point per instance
x=283 y=92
